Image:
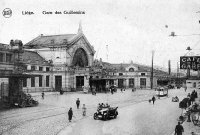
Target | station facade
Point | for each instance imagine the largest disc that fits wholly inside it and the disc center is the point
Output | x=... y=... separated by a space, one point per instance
x=70 y=57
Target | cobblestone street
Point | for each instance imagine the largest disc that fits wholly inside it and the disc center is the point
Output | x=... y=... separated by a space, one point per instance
x=50 y=117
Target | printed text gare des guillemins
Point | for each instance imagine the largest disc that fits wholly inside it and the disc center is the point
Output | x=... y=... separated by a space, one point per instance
x=55 y=12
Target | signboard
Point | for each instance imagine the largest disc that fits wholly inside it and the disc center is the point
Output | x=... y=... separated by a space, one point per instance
x=190 y=62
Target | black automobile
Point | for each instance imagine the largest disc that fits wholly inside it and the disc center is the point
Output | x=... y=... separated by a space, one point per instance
x=106 y=113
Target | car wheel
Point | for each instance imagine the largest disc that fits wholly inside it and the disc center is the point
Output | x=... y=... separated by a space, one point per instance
x=23 y=104
x=95 y=116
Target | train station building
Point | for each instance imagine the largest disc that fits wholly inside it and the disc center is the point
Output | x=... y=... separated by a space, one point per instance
x=66 y=62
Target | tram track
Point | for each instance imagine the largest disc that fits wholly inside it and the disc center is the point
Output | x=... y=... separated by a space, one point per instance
x=28 y=113
x=130 y=102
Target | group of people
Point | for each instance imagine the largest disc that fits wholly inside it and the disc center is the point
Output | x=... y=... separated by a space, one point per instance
x=102 y=105
x=192 y=97
x=70 y=112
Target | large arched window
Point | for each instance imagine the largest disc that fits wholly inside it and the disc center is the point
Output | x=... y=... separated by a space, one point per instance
x=131 y=69
x=80 y=58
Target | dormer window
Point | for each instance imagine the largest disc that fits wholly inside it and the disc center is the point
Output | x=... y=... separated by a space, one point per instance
x=52 y=41
x=131 y=69
x=64 y=41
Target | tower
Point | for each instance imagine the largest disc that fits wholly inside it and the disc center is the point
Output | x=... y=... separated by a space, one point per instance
x=80 y=28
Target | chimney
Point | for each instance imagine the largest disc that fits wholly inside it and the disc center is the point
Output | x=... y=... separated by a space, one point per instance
x=12 y=43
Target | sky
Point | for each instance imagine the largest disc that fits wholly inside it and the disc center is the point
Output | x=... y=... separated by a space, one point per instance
x=119 y=30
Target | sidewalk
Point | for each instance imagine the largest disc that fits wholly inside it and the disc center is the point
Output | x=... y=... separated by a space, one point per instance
x=189 y=127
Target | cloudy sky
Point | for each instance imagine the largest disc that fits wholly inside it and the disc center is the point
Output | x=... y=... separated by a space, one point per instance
x=119 y=30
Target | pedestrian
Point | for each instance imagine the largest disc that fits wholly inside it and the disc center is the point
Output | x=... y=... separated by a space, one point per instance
x=84 y=110
x=111 y=91
x=192 y=98
x=121 y=90
x=95 y=92
x=153 y=99
x=70 y=114
x=179 y=129
x=196 y=95
x=77 y=103
x=43 y=95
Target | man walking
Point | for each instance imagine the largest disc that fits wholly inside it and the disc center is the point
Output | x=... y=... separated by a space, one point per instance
x=153 y=99
x=179 y=129
x=77 y=103
x=70 y=114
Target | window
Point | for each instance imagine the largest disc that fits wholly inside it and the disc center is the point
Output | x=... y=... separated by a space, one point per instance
x=142 y=74
x=52 y=41
x=131 y=82
x=32 y=67
x=40 y=81
x=40 y=68
x=65 y=41
x=8 y=57
x=143 y=82
x=131 y=69
x=33 y=82
x=24 y=82
x=47 y=81
x=120 y=74
x=47 y=68
x=1 y=57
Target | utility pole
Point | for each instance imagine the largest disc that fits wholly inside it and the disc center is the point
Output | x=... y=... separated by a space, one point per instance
x=107 y=52
x=169 y=67
x=178 y=81
x=152 y=69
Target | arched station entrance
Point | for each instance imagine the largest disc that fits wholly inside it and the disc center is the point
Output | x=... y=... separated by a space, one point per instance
x=80 y=60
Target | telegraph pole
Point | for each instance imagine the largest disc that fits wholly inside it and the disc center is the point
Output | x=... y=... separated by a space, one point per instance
x=152 y=69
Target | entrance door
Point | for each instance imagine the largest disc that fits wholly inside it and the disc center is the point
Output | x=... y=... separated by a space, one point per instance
x=79 y=82
x=131 y=83
x=194 y=85
x=58 y=83
x=142 y=82
x=120 y=83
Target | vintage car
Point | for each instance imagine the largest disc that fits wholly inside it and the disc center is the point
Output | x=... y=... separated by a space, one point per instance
x=106 y=113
